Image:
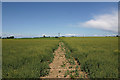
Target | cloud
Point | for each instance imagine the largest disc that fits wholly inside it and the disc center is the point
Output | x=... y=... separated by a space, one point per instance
x=72 y=34
x=9 y=34
x=16 y=35
x=104 y=35
x=52 y=35
x=108 y=22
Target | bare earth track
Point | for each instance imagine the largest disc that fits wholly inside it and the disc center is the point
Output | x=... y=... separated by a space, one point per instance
x=61 y=68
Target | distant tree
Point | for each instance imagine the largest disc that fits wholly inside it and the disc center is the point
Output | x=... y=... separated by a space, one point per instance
x=4 y=38
x=11 y=37
x=43 y=35
x=56 y=36
x=117 y=36
x=8 y=37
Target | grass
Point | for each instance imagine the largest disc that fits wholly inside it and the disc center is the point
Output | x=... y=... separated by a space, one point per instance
x=70 y=67
x=98 y=56
x=66 y=73
x=76 y=73
x=63 y=65
x=72 y=76
x=69 y=57
x=76 y=67
x=30 y=58
x=27 y=58
x=59 y=71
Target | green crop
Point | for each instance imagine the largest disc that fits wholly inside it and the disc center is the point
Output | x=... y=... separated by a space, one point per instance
x=30 y=58
x=98 y=56
x=27 y=58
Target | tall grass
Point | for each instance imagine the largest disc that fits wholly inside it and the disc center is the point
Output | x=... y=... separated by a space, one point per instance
x=97 y=56
x=27 y=58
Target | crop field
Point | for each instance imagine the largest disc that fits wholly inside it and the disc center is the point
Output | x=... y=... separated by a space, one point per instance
x=30 y=58
x=27 y=58
x=98 y=56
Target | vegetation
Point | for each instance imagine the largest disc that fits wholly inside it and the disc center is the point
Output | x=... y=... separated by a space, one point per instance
x=98 y=56
x=27 y=58
x=66 y=73
x=30 y=58
x=63 y=65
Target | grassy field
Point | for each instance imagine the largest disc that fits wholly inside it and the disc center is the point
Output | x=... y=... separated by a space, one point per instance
x=27 y=58
x=98 y=56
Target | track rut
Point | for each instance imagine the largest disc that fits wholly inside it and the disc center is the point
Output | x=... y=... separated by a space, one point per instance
x=61 y=67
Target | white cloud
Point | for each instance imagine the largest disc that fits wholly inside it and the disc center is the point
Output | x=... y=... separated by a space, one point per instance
x=52 y=35
x=72 y=34
x=16 y=35
x=107 y=22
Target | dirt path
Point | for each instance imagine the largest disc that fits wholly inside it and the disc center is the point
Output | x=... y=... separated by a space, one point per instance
x=61 y=67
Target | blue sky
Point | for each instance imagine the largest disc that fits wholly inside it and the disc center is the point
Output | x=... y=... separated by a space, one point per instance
x=28 y=19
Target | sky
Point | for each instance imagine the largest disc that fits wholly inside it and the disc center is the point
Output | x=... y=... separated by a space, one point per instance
x=35 y=19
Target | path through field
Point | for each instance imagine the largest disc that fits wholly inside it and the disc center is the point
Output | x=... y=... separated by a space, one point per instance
x=61 y=68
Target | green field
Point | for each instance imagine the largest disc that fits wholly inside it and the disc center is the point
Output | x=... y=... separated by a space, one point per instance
x=29 y=58
x=98 y=56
